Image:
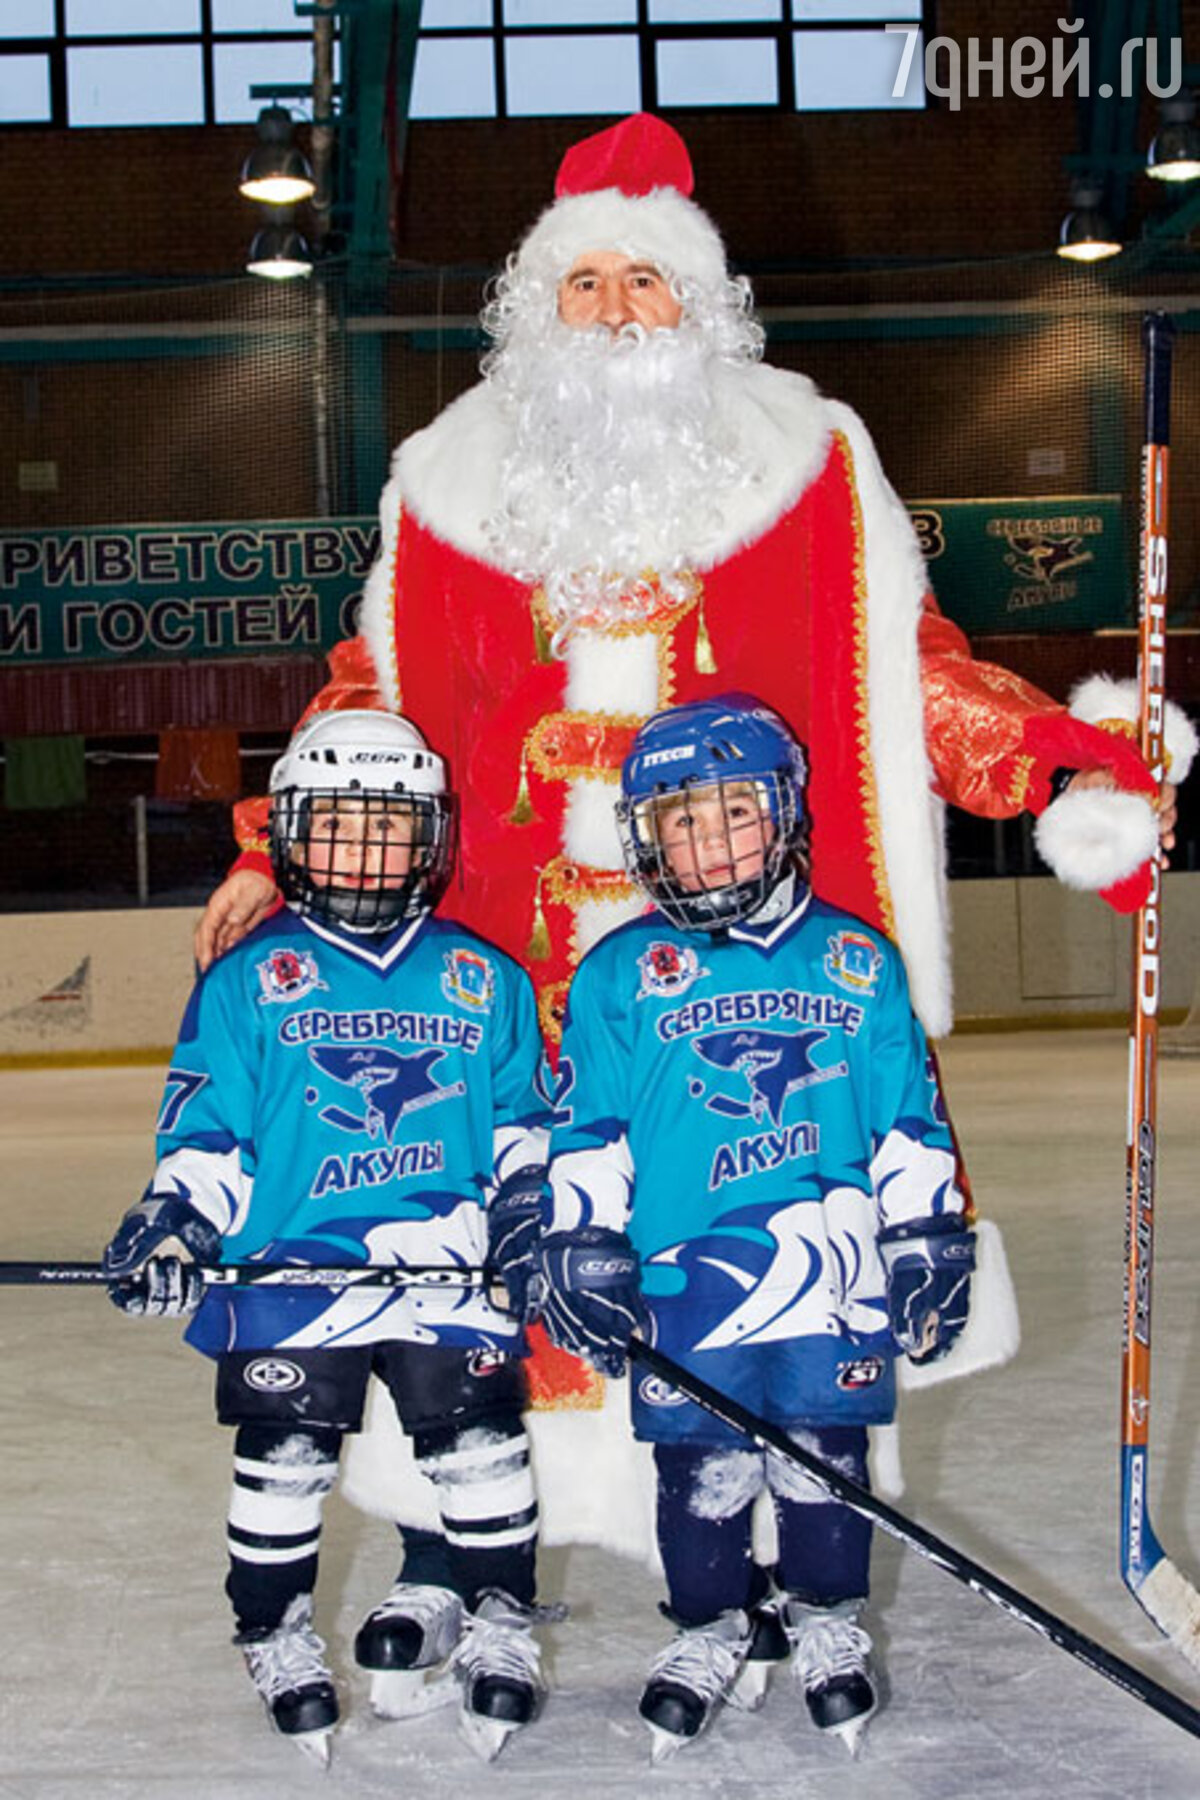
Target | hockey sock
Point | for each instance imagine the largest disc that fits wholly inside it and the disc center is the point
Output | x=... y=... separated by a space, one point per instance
x=824 y=1547
x=281 y=1475
x=705 y=1495
x=426 y=1558
x=488 y=1507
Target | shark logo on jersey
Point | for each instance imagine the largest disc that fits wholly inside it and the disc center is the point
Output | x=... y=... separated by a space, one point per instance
x=774 y=1063
x=288 y=975
x=469 y=978
x=668 y=969
x=391 y=1085
x=854 y=960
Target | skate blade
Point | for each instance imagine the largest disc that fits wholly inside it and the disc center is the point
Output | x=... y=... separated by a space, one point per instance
x=851 y=1731
x=664 y=1744
x=410 y=1693
x=315 y=1746
x=487 y=1737
x=750 y=1689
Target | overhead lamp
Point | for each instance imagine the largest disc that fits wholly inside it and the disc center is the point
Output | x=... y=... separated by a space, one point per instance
x=279 y=252
x=276 y=172
x=1174 y=154
x=1085 y=234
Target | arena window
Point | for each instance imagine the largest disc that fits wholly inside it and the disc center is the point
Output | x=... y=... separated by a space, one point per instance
x=85 y=62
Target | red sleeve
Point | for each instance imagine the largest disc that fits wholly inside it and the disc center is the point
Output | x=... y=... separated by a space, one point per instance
x=976 y=725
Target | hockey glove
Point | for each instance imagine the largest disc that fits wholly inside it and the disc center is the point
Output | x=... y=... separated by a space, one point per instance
x=514 y=1227
x=150 y=1286
x=929 y=1284
x=590 y=1294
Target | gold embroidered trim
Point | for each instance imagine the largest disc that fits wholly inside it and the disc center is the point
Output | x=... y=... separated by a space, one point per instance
x=394 y=633
x=1020 y=781
x=870 y=794
x=1118 y=727
x=552 y=1007
x=567 y=883
x=664 y=614
x=566 y=746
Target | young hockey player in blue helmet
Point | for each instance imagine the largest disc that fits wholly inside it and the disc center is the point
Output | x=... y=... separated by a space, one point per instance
x=750 y=1164
x=359 y=1083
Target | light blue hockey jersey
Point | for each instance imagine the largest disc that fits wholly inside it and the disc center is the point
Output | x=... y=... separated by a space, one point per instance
x=754 y=1108
x=337 y=1099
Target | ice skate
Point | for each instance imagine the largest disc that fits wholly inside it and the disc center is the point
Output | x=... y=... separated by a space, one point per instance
x=497 y=1664
x=768 y=1647
x=830 y=1659
x=403 y=1642
x=288 y=1668
x=688 y=1679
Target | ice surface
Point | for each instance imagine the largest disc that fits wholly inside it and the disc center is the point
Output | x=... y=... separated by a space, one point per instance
x=119 y=1677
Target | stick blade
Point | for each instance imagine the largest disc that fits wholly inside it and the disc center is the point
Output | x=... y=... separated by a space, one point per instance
x=1174 y=1605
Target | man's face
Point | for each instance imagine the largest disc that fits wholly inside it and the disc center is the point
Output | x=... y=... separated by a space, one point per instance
x=604 y=287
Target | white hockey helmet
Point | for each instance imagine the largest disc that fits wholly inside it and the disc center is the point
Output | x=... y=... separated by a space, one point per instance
x=365 y=767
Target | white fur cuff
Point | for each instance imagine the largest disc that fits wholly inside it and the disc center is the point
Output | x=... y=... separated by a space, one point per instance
x=1096 y=837
x=1100 y=698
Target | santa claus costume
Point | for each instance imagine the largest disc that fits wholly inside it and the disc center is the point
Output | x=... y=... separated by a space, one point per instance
x=788 y=569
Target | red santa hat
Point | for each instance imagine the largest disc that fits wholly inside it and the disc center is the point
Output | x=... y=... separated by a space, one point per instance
x=626 y=189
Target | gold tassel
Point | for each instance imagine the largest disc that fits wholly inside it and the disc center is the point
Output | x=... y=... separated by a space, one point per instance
x=705 y=661
x=538 y=948
x=522 y=812
x=541 y=640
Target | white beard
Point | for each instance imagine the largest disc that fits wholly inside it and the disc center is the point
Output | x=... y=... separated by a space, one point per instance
x=615 y=483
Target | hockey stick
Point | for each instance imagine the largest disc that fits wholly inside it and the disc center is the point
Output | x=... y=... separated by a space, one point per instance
x=251 y=1274
x=1149 y=1574
x=934 y=1549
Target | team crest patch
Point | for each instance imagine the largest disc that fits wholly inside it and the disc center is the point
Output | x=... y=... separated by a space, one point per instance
x=668 y=969
x=288 y=975
x=654 y=1391
x=854 y=960
x=273 y=1375
x=470 y=979
x=863 y=1372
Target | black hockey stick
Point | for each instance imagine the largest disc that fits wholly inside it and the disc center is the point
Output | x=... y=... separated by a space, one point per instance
x=934 y=1549
x=1158 y=1586
x=252 y=1274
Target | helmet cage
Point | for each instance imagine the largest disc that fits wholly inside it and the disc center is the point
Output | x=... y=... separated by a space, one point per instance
x=356 y=891
x=712 y=907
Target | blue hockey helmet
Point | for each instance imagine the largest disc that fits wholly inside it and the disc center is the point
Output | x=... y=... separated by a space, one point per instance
x=727 y=750
x=362 y=821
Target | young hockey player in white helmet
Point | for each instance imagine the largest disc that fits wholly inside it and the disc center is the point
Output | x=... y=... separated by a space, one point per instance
x=750 y=1164
x=359 y=1083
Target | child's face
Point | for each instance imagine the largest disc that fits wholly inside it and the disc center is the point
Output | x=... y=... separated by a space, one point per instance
x=355 y=844
x=715 y=836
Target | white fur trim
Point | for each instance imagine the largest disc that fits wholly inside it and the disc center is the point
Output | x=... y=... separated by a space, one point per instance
x=883 y=1461
x=590 y=829
x=911 y=816
x=375 y=612
x=596 y=918
x=992 y=1334
x=612 y=674
x=1096 y=836
x=662 y=227
x=1100 y=697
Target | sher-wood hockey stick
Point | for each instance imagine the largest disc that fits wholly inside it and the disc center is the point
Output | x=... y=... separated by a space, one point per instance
x=252 y=1274
x=934 y=1549
x=1151 y=1577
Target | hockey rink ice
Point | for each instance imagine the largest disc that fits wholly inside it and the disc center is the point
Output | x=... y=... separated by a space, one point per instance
x=119 y=1677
